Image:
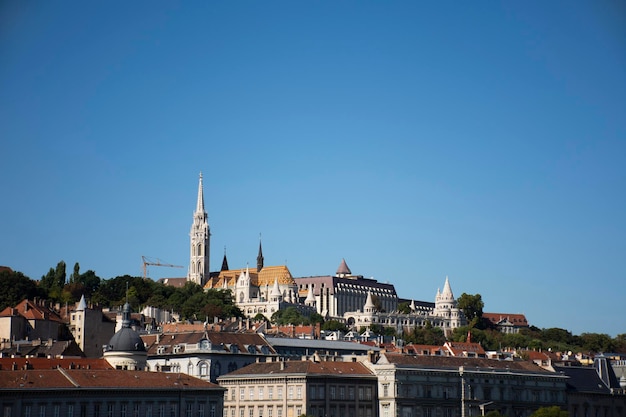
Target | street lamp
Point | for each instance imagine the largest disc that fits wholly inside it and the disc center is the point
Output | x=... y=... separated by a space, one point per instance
x=462 y=392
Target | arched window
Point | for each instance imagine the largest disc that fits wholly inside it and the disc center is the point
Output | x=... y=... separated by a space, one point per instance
x=199 y=267
x=199 y=252
x=190 y=369
x=204 y=369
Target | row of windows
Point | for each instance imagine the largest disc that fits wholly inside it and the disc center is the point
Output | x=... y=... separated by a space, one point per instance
x=258 y=411
x=136 y=409
x=260 y=393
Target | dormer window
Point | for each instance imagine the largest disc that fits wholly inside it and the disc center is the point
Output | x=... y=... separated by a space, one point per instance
x=234 y=348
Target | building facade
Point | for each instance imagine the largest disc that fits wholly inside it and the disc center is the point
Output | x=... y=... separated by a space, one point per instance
x=264 y=290
x=293 y=388
x=83 y=392
x=205 y=354
x=417 y=386
x=445 y=314
x=91 y=329
x=336 y=295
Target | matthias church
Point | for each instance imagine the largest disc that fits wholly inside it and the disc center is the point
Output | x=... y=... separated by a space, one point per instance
x=344 y=296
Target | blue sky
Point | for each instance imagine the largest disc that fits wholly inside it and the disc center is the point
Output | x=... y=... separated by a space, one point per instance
x=485 y=142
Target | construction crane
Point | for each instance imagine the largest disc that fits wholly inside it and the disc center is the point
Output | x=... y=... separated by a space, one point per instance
x=154 y=262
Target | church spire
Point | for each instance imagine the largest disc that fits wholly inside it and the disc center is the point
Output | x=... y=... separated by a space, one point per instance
x=200 y=203
x=224 y=262
x=200 y=240
x=259 y=258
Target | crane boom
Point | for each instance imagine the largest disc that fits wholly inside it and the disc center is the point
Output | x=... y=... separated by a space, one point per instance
x=155 y=262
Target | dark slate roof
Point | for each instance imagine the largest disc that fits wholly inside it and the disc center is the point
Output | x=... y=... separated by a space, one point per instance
x=583 y=379
x=126 y=340
x=453 y=363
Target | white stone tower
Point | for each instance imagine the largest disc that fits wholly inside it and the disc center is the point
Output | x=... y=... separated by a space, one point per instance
x=200 y=242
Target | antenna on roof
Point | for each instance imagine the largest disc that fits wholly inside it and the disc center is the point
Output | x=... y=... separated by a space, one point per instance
x=126 y=292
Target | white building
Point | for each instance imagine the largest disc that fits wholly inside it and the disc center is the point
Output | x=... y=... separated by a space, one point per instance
x=200 y=242
x=445 y=314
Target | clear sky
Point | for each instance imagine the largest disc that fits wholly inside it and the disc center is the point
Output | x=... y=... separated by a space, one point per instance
x=481 y=141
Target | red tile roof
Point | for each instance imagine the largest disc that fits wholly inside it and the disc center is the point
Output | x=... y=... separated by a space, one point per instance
x=460 y=348
x=99 y=378
x=303 y=367
x=516 y=319
x=52 y=363
x=31 y=311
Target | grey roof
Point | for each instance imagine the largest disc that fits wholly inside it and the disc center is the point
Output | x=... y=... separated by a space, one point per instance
x=314 y=344
x=126 y=340
x=583 y=379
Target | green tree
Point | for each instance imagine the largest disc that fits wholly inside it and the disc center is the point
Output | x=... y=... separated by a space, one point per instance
x=290 y=315
x=554 y=411
x=404 y=308
x=14 y=287
x=333 y=325
x=75 y=277
x=426 y=335
x=472 y=306
x=597 y=342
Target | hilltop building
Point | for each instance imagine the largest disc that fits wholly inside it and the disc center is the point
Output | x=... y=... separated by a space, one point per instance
x=444 y=314
x=506 y=322
x=334 y=296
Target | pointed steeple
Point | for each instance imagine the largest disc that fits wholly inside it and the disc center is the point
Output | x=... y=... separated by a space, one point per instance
x=82 y=304
x=200 y=242
x=200 y=203
x=259 y=258
x=275 y=292
x=343 y=269
x=447 y=290
x=224 y=262
x=369 y=306
x=310 y=298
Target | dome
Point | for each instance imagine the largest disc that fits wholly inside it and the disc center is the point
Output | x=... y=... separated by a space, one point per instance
x=126 y=339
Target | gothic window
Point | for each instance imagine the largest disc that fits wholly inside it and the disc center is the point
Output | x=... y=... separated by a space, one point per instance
x=199 y=253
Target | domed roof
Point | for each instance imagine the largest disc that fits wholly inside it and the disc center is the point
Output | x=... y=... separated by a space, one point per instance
x=126 y=339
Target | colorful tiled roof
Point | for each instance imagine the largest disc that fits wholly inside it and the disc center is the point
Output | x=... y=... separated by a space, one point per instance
x=266 y=276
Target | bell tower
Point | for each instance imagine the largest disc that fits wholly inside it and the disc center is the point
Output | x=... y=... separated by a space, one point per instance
x=200 y=242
